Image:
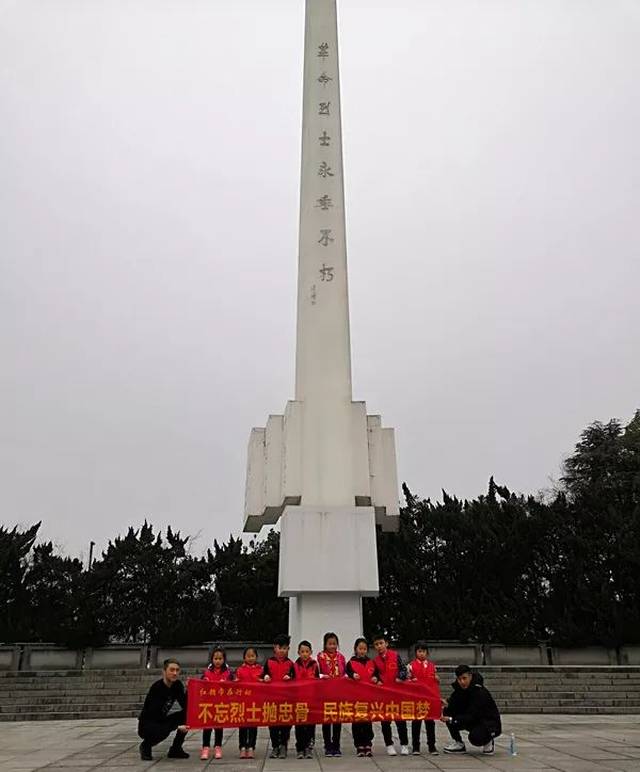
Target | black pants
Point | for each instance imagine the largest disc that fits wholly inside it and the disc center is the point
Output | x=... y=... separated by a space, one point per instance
x=362 y=734
x=331 y=736
x=430 y=726
x=154 y=732
x=279 y=735
x=480 y=733
x=304 y=734
x=403 y=735
x=247 y=736
x=206 y=738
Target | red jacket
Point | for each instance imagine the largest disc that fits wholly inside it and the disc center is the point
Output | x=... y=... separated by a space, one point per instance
x=278 y=669
x=332 y=665
x=422 y=670
x=365 y=668
x=390 y=667
x=305 y=671
x=226 y=674
x=251 y=673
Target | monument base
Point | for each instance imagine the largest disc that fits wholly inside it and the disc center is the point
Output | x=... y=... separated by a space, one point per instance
x=328 y=561
x=312 y=614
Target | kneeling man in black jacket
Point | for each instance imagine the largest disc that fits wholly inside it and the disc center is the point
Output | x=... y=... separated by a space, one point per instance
x=472 y=708
x=164 y=711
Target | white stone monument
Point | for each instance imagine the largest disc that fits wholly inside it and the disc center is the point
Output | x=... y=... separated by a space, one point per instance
x=325 y=468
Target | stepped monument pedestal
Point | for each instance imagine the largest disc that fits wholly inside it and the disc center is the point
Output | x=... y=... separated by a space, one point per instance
x=325 y=470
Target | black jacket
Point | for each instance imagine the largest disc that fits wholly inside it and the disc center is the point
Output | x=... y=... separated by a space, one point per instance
x=474 y=705
x=163 y=700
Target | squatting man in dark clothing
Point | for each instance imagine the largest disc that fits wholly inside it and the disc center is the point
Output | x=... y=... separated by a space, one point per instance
x=164 y=711
x=472 y=708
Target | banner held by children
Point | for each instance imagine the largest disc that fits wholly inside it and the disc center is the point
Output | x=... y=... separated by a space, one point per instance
x=332 y=700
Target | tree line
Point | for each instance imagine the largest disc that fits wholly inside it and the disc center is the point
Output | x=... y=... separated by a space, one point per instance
x=503 y=567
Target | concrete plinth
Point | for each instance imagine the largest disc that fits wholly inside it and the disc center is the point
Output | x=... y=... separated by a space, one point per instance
x=313 y=614
x=328 y=549
x=328 y=561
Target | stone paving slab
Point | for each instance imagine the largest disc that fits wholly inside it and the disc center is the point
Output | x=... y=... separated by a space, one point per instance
x=545 y=744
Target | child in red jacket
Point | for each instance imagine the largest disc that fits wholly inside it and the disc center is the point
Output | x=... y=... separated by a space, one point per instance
x=249 y=672
x=391 y=669
x=279 y=668
x=217 y=671
x=422 y=669
x=305 y=668
x=332 y=664
x=361 y=668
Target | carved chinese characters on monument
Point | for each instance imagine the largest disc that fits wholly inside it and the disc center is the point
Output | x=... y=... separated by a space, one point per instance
x=325 y=171
x=326 y=272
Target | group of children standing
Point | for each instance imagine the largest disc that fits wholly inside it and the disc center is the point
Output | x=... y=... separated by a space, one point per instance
x=386 y=668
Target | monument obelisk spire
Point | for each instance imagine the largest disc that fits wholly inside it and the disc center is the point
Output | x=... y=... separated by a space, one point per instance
x=323 y=351
x=325 y=468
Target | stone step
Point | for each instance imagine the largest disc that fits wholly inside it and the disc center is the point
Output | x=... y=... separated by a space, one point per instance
x=557 y=694
x=135 y=688
x=93 y=707
x=70 y=716
x=576 y=703
x=48 y=688
x=120 y=693
x=136 y=677
x=69 y=693
x=531 y=671
x=73 y=699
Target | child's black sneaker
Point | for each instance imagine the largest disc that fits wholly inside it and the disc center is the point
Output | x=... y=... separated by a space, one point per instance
x=275 y=752
x=360 y=752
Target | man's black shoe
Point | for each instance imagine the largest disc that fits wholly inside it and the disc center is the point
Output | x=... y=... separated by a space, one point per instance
x=177 y=753
x=145 y=752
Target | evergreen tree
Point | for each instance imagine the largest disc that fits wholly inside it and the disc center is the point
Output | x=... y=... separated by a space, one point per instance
x=15 y=546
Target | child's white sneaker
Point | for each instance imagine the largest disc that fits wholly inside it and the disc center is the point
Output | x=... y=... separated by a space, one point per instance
x=455 y=747
x=404 y=750
x=489 y=748
x=391 y=751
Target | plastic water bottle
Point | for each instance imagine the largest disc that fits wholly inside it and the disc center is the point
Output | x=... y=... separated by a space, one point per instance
x=513 y=750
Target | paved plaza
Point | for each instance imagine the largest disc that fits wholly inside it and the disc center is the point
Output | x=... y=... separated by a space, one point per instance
x=565 y=743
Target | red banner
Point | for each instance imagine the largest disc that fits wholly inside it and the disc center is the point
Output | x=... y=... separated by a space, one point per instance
x=331 y=700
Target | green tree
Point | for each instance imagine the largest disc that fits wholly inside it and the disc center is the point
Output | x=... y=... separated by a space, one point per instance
x=52 y=584
x=595 y=588
x=246 y=583
x=15 y=546
x=139 y=588
x=469 y=570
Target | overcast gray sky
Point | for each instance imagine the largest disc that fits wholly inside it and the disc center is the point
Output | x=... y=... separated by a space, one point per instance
x=149 y=162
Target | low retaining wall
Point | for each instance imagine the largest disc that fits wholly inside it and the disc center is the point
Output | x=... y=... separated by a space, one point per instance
x=9 y=657
x=41 y=656
x=496 y=654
